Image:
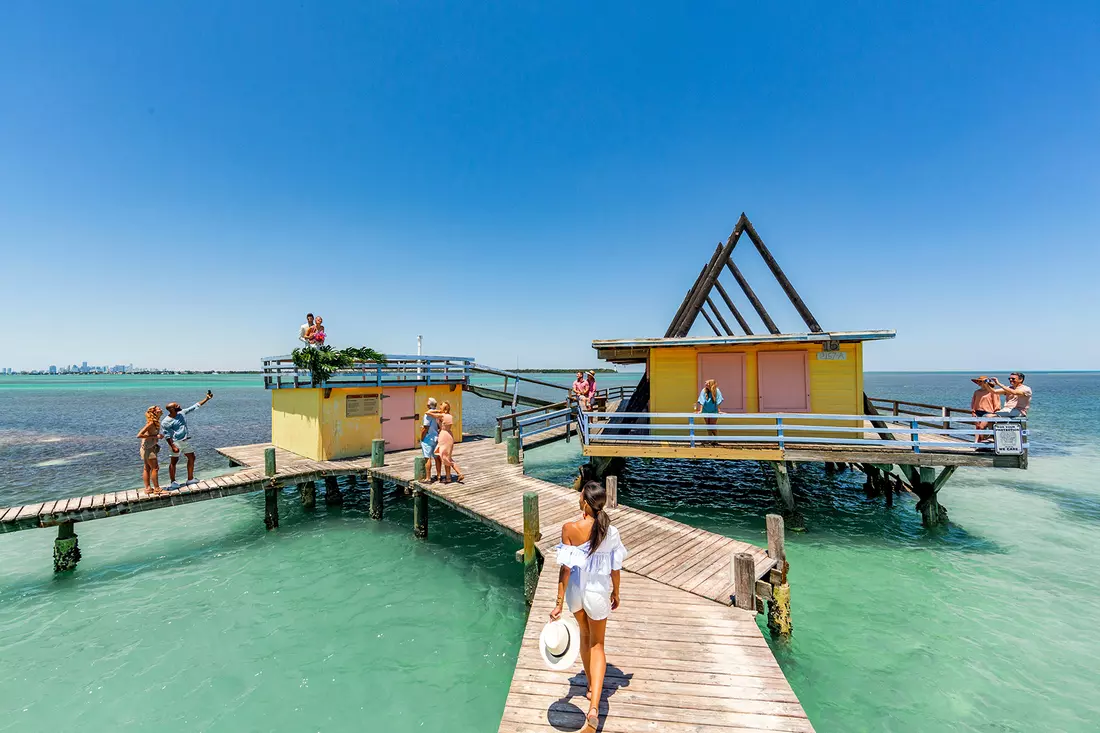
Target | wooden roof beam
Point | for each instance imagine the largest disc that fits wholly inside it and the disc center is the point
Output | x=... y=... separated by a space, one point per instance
x=796 y=299
x=760 y=310
x=712 y=326
x=696 y=302
x=687 y=298
x=718 y=315
x=733 y=309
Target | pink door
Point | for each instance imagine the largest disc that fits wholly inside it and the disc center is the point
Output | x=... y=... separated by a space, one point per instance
x=729 y=371
x=784 y=381
x=399 y=418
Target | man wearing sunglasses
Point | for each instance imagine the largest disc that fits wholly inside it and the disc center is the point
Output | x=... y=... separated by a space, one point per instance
x=1017 y=396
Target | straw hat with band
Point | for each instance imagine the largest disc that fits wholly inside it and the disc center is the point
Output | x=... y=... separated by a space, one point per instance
x=560 y=643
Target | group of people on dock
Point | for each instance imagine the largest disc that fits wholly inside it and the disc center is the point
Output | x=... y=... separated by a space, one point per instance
x=174 y=431
x=437 y=441
x=986 y=400
x=312 y=332
x=584 y=389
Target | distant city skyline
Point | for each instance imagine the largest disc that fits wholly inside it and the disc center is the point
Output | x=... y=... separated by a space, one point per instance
x=535 y=177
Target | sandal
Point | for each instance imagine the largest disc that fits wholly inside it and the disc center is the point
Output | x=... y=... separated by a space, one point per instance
x=593 y=718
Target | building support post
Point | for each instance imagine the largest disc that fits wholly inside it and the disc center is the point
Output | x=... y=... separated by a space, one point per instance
x=420 y=514
x=66 y=550
x=271 y=507
x=307 y=490
x=377 y=498
x=333 y=497
x=783 y=484
x=531 y=536
x=927 y=486
x=779 y=605
x=377 y=453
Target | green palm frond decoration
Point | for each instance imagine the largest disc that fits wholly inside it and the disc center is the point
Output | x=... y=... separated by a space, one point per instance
x=323 y=361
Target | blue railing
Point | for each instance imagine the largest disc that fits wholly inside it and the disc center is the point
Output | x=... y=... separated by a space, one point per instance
x=280 y=373
x=690 y=429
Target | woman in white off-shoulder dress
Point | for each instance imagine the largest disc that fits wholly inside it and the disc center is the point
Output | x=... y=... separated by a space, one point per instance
x=591 y=556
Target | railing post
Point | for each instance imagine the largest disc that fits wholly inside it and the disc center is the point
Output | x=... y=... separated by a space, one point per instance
x=946 y=422
x=779 y=431
x=691 y=430
x=531 y=535
x=568 y=420
x=916 y=436
x=744 y=581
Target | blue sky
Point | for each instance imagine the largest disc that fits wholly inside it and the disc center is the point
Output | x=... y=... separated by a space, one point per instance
x=180 y=182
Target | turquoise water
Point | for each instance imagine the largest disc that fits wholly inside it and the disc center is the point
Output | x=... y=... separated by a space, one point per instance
x=335 y=622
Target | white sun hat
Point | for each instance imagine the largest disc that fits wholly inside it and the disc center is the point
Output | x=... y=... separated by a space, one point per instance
x=560 y=643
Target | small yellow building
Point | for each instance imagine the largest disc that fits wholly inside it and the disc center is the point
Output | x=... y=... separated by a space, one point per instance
x=343 y=416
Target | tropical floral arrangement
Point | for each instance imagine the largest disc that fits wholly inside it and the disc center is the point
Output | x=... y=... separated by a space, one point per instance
x=323 y=361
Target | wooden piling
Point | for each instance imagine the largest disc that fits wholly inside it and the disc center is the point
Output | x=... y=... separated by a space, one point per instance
x=333 y=497
x=66 y=550
x=779 y=605
x=513 y=449
x=377 y=453
x=377 y=498
x=420 y=514
x=531 y=535
x=307 y=490
x=269 y=461
x=420 y=468
x=498 y=434
x=744 y=581
x=611 y=484
x=271 y=507
x=783 y=484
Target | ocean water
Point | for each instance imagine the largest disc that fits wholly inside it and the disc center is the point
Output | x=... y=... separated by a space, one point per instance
x=195 y=618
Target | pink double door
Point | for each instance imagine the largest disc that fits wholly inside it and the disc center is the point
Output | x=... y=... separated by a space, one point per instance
x=728 y=370
x=399 y=418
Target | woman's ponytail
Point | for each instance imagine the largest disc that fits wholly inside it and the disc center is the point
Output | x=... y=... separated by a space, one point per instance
x=595 y=496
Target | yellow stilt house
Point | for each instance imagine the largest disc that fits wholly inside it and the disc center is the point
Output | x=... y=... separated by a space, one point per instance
x=343 y=416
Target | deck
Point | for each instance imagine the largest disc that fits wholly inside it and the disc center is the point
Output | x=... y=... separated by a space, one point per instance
x=681 y=658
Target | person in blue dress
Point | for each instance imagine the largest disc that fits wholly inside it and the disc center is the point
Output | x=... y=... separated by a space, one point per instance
x=709 y=403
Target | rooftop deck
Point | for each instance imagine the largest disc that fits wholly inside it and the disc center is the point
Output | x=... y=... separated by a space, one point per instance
x=399 y=370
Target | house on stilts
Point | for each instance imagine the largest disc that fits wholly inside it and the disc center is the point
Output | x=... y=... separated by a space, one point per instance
x=787 y=397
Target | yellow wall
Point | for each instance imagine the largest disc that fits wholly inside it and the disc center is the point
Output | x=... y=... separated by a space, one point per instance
x=347 y=437
x=303 y=421
x=295 y=421
x=836 y=387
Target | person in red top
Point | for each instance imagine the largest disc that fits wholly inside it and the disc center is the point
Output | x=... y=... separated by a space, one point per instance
x=581 y=390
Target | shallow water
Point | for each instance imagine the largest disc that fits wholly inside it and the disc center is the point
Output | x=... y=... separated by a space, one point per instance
x=336 y=622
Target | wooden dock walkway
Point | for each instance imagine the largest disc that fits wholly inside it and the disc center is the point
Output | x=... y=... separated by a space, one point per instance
x=681 y=658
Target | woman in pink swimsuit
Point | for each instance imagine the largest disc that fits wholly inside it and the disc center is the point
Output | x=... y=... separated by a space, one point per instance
x=446 y=445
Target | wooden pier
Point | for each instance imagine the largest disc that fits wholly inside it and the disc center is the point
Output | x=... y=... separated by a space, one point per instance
x=682 y=655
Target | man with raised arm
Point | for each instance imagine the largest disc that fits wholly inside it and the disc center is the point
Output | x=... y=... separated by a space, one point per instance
x=176 y=434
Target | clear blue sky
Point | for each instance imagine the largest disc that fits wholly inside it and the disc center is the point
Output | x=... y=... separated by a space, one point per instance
x=180 y=182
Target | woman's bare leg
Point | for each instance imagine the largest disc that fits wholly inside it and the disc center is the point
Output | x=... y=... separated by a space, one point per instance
x=145 y=476
x=582 y=622
x=154 y=469
x=597 y=665
x=712 y=421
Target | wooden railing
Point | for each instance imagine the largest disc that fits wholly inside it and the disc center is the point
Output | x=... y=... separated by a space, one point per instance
x=280 y=373
x=692 y=429
x=900 y=408
x=540 y=419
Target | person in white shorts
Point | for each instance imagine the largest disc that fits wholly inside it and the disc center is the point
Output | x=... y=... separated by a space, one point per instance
x=178 y=437
x=590 y=557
